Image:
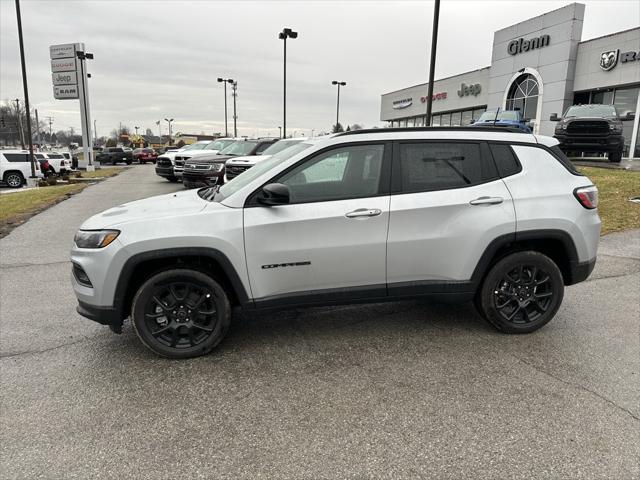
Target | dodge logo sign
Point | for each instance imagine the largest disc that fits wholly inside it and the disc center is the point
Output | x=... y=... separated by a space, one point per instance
x=608 y=60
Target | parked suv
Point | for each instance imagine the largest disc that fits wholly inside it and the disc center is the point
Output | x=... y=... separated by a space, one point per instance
x=15 y=167
x=236 y=165
x=204 y=170
x=455 y=214
x=212 y=148
x=591 y=128
x=165 y=162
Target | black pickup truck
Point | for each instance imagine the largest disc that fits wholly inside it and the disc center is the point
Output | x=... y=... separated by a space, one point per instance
x=114 y=155
x=591 y=128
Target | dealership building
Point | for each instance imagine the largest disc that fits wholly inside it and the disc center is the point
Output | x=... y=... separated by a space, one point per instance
x=540 y=66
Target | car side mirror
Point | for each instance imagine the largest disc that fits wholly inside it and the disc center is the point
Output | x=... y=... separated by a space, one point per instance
x=472 y=122
x=554 y=117
x=628 y=116
x=274 y=194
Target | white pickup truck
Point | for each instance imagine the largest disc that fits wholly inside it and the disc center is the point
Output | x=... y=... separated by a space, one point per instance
x=58 y=163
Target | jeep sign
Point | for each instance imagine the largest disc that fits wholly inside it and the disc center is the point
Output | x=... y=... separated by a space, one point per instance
x=64 y=78
x=466 y=90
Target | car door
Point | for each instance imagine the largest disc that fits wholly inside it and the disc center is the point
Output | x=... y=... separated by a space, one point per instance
x=448 y=203
x=328 y=243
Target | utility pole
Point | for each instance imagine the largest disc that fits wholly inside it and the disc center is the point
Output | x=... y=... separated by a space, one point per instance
x=25 y=88
x=50 y=120
x=17 y=100
x=159 y=124
x=38 y=129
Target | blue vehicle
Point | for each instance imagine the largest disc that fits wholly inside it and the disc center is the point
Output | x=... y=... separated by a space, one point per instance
x=496 y=117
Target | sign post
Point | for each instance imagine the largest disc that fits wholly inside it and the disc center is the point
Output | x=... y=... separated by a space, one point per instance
x=69 y=78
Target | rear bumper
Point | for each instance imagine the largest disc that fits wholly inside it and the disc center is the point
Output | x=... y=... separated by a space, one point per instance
x=579 y=272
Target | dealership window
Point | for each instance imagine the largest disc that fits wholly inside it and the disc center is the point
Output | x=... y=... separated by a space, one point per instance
x=466 y=117
x=435 y=120
x=523 y=96
x=456 y=119
x=625 y=100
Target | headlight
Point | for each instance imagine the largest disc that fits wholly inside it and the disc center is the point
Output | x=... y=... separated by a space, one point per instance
x=95 y=238
x=615 y=128
x=216 y=167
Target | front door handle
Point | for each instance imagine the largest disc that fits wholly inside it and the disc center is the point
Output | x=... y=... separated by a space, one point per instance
x=487 y=201
x=364 y=212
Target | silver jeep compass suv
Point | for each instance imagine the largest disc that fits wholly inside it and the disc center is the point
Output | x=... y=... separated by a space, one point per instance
x=459 y=214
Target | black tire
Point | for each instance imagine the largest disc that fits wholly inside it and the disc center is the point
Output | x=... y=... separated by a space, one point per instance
x=128 y=162
x=51 y=171
x=173 y=179
x=615 y=157
x=13 y=179
x=521 y=293
x=181 y=313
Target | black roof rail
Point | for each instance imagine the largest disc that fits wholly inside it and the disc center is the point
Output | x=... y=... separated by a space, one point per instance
x=433 y=129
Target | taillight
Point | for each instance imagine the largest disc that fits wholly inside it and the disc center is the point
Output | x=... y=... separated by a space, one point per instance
x=587 y=196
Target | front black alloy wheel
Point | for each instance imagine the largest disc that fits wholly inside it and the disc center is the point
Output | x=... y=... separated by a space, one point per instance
x=521 y=293
x=181 y=313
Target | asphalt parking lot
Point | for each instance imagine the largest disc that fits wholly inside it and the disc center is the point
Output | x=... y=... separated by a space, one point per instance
x=397 y=390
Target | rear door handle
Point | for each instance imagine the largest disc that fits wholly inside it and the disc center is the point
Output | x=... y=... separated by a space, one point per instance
x=487 y=201
x=364 y=212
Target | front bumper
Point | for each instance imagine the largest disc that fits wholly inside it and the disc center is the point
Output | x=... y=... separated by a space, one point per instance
x=205 y=178
x=594 y=143
x=165 y=172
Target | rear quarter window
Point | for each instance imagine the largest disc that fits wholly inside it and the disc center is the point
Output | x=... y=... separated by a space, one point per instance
x=16 y=157
x=506 y=161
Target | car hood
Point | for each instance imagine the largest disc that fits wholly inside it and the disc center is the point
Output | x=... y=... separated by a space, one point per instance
x=170 y=205
x=171 y=155
x=199 y=153
x=247 y=160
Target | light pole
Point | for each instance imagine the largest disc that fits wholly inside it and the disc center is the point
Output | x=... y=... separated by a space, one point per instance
x=159 y=124
x=432 y=63
x=283 y=35
x=234 y=87
x=339 y=84
x=225 y=81
x=169 y=120
x=95 y=133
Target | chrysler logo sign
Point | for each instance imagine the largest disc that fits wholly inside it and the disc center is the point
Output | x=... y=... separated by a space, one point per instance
x=521 y=45
x=404 y=103
x=608 y=60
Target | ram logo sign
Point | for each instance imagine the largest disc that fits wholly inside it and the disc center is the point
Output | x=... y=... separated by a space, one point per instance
x=608 y=60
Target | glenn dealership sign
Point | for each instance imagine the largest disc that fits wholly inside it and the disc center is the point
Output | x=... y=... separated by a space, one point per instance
x=521 y=45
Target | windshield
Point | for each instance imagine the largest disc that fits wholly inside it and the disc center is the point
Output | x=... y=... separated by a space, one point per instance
x=250 y=175
x=508 y=115
x=598 y=111
x=55 y=155
x=219 y=144
x=241 y=147
x=279 y=146
x=196 y=146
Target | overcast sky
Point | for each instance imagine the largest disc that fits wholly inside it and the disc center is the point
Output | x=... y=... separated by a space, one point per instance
x=160 y=58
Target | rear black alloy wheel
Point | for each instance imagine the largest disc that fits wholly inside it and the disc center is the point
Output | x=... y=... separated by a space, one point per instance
x=181 y=313
x=14 y=179
x=522 y=292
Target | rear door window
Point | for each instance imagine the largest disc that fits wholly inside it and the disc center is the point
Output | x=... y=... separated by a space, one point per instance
x=430 y=166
